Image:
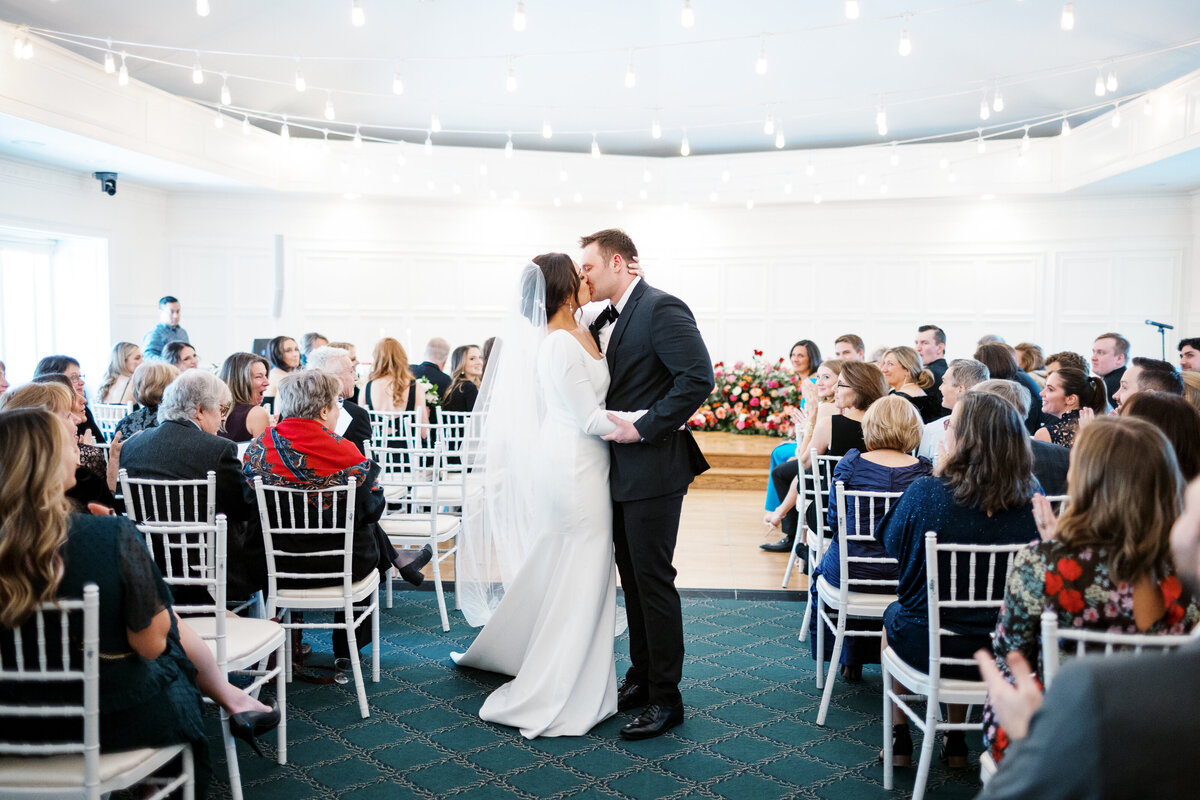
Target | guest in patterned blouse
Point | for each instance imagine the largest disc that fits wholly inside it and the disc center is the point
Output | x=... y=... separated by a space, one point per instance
x=1105 y=564
x=1068 y=391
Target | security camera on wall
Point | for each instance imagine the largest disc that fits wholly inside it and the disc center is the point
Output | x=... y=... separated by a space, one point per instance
x=108 y=182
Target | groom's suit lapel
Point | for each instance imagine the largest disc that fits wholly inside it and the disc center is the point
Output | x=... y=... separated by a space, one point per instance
x=623 y=322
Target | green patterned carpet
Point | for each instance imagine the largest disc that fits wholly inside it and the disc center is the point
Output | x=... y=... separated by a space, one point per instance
x=750 y=697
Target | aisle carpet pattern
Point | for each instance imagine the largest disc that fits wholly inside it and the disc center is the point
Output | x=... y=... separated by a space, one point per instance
x=750 y=733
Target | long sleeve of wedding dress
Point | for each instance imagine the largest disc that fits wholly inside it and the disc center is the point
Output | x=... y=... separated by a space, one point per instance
x=565 y=372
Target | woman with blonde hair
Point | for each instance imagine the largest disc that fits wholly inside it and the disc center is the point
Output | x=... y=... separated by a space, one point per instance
x=391 y=386
x=906 y=377
x=1105 y=563
x=149 y=382
x=152 y=663
x=126 y=358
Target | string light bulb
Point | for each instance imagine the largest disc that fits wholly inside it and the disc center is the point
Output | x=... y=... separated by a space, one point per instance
x=1116 y=117
x=508 y=147
x=329 y=112
x=760 y=66
x=1066 y=127
x=110 y=65
x=284 y=133
x=197 y=72
x=428 y=143
x=779 y=140
x=1111 y=82
x=357 y=17
x=435 y=124
x=202 y=9
x=226 y=97
x=769 y=126
x=301 y=84
x=1100 y=88
x=997 y=101
x=357 y=138
x=1067 y=21
x=510 y=81
x=547 y=131
x=519 y=18
x=881 y=121
x=852 y=10
x=985 y=110
x=595 y=147
x=685 y=149
x=630 y=74
x=687 y=17
x=397 y=83
x=655 y=129
x=905 y=46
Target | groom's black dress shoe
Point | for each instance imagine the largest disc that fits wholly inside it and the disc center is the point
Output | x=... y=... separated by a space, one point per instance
x=654 y=721
x=631 y=695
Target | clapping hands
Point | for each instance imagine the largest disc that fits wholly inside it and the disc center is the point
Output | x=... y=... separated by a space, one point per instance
x=1014 y=705
x=1044 y=517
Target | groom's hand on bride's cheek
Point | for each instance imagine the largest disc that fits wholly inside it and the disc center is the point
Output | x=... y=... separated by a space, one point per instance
x=625 y=432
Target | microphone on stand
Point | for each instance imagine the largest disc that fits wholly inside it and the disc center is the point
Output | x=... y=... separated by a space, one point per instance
x=1162 y=331
x=1161 y=325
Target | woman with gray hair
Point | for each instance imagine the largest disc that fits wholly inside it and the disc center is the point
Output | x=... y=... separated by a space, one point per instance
x=302 y=452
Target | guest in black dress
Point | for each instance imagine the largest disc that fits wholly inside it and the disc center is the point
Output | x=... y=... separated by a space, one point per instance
x=149 y=382
x=153 y=667
x=981 y=495
x=246 y=376
x=906 y=377
x=1067 y=392
x=467 y=367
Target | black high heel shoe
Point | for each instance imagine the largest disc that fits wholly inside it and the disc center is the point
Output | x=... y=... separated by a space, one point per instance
x=411 y=571
x=249 y=725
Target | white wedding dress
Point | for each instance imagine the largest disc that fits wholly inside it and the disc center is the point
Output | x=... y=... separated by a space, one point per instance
x=554 y=628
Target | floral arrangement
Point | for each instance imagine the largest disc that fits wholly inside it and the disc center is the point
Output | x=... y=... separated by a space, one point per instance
x=750 y=397
x=432 y=398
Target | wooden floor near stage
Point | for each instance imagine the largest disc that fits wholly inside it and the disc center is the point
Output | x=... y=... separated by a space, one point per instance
x=721 y=527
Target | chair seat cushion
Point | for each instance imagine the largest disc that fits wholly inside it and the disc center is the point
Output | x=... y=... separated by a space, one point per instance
x=332 y=593
x=245 y=637
x=67 y=770
x=418 y=524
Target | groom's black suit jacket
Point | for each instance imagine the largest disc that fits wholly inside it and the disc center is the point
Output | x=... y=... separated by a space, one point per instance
x=657 y=361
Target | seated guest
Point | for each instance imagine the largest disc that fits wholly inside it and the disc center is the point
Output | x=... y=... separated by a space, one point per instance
x=1124 y=726
x=1066 y=358
x=284 y=356
x=185 y=446
x=126 y=356
x=432 y=369
x=990 y=338
x=1177 y=419
x=1032 y=361
x=1110 y=352
x=59 y=399
x=466 y=366
x=246 y=376
x=786 y=454
x=308 y=343
x=849 y=347
x=931 y=347
x=962 y=374
x=181 y=355
x=805 y=358
x=1105 y=563
x=981 y=495
x=858 y=386
x=102 y=464
x=891 y=430
x=154 y=666
x=166 y=331
x=1050 y=461
x=1189 y=355
x=65 y=365
x=353 y=351
x=1002 y=365
x=1148 y=375
x=1191 y=388
x=354 y=423
x=1068 y=391
x=149 y=382
x=391 y=386
x=901 y=367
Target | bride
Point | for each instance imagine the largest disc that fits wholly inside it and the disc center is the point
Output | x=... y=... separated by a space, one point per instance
x=535 y=558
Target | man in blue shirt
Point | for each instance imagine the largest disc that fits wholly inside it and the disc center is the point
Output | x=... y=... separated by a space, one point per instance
x=166 y=331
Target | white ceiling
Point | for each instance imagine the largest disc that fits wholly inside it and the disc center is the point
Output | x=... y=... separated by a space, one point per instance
x=826 y=74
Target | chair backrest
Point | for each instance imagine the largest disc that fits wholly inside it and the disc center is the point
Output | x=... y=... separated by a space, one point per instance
x=107 y=415
x=869 y=508
x=424 y=476
x=821 y=469
x=170 y=502
x=303 y=524
x=394 y=427
x=46 y=652
x=1094 y=643
x=453 y=430
x=962 y=576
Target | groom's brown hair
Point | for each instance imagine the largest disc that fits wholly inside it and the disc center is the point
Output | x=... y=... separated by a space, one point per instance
x=611 y=241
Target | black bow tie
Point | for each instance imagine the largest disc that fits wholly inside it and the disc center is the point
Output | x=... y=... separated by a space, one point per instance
x=606 y=316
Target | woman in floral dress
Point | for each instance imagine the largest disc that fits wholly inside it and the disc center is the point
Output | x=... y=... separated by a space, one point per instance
x=1105 y=563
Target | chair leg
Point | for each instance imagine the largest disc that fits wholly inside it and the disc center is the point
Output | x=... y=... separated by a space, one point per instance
x=927 y=742
x=808 y=568
x=839 y=640
x=189 y=769
x=391 y=573
x=231 y=758
x=287 y=653
x=787 y=573
x=375 y=637
x=281 y=701
x=820 y=643
x=355 y=663
x=887 y=727
x=437 y=585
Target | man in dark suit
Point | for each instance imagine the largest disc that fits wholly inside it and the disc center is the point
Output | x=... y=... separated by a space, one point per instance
x=1110 y=352
x=185 y=446
x=658 y=362
x=1114 y=727
x=433 y=367
x=354 y=423
x=931 y=347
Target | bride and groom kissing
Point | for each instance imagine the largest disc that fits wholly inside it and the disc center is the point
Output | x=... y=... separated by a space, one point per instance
x=585 y=458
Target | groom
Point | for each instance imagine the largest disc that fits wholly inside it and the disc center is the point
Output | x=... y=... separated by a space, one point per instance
x=657 y=362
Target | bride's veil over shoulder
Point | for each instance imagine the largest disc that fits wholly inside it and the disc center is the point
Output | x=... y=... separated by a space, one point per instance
x=500 y=505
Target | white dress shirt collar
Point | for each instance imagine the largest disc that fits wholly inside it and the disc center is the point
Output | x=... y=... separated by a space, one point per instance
x=620 y=304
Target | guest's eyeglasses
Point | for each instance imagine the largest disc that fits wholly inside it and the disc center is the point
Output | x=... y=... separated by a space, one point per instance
x=225 y=409
x=76 y=378
x=844 y=386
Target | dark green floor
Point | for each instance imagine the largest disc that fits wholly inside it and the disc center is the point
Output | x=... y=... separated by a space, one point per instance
x=748 y=686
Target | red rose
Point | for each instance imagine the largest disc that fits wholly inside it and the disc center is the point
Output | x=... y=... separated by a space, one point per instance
x=1000 y=740
x=1054 y=583
x=1069 y=568
x=1071 y=600
x=1171 y=590
x=1174 y=614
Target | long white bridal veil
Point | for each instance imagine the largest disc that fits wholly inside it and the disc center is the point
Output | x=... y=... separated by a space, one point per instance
x=500 y=503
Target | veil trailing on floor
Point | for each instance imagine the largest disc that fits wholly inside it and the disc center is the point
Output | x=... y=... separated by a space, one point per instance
x=500 y=507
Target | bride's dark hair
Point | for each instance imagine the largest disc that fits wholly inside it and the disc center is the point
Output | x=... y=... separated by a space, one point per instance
x=562 y=279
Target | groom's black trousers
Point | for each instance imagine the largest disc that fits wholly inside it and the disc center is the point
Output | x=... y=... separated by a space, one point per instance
x=644 y=532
